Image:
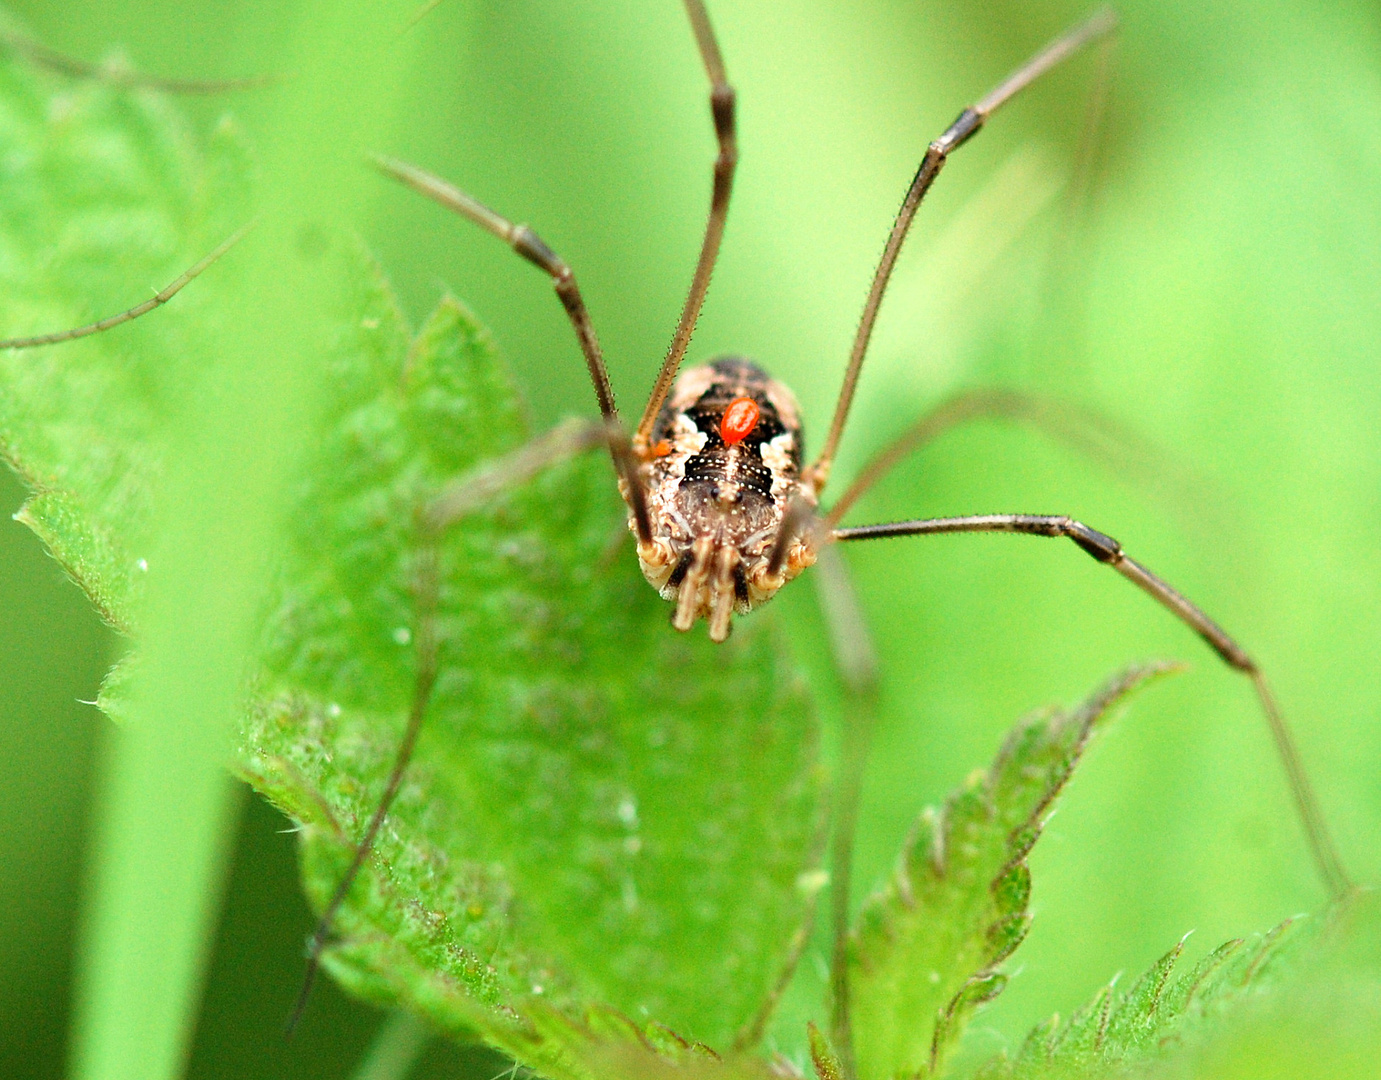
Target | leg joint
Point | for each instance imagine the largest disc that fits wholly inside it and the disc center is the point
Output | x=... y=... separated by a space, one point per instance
x=1231 y=653
x=1101 y=546
x=534 y=249
x=965 y=126
x=722 y=100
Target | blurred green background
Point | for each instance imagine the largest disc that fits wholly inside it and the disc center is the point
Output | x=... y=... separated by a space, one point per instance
x=1218 y=293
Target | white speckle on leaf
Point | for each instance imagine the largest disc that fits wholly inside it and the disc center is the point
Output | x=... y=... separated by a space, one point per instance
x=370 y=323
x=632 y=844
x=142 y=564
x=333 y=710
x=812 y=881
x=628 y=812
x=630 y=895
x=402 y=635
x=934 y=977
x=536 y=988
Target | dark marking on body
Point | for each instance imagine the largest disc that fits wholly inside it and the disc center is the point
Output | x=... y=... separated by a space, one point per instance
x=741 y=464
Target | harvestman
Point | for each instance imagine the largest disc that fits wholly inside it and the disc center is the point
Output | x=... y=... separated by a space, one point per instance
x=722 y=510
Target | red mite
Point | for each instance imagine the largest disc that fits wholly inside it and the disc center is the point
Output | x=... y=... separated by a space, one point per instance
x=740 y=418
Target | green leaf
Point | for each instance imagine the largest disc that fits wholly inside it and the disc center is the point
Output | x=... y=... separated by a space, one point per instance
x=105 y=195
x=822 y=1055
x=1153 y=1016
x=600 y=812
x=96 y=206
x=925 y=949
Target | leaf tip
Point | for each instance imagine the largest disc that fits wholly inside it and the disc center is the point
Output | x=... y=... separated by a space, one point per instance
x=822 y=1055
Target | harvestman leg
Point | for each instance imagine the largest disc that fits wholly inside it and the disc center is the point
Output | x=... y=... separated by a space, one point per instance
x=1084 y=430
x=531 y=247
x=456 y=501
x=42 y=55
x=157 y=300
x=1107 y=550
x=722 y=111
x=964 y=128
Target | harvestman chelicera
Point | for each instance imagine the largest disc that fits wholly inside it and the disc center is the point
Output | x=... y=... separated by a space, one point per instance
x=723 y=512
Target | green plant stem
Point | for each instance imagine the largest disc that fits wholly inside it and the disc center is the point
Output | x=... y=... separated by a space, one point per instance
x=397 y=1046
x=852 y=651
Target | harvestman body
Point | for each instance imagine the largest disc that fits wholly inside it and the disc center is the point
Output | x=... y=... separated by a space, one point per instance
x=723 y=467
x=720 y=502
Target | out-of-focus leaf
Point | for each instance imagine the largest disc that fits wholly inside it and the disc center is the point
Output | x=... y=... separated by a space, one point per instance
x=1153 y=1015
x=822 y=1055
x=601 y=815
x=104 y=193
x=1320 y=1019
x=925 y=950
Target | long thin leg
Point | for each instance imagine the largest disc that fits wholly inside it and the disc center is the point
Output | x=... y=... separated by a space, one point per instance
x=958 y=133
x=1107 y=550
x=42 y=55
x=157 y=300
x=469 y=493
x=1084 y=177
x=1062 y=299
x=424 y=679
x=531 y=247
x=856 y=662
x=722 y=110
x=462 y=497
x=1083 y=429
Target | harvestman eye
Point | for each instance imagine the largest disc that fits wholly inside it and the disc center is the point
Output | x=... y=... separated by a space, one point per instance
x=723 y=509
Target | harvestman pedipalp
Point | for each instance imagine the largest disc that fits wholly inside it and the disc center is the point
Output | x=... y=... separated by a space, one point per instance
x=722 y=510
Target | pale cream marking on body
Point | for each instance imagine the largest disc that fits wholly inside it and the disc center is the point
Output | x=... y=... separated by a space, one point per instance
x=776 y=455
x=686 y=439
x=691 y=387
